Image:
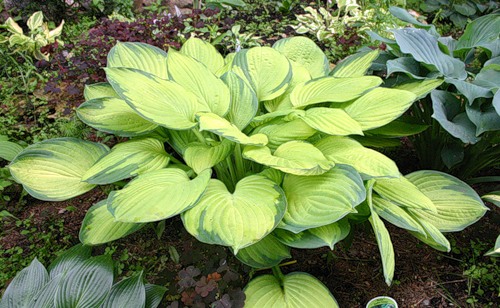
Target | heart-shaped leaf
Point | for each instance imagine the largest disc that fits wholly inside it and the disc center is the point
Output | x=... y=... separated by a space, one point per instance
x=139 y=56
x=267 y=252
x=355 y=65
x=129 y=292
x=404 y=193
x=328 y=236
x=201 y=156
x=420 y=87
x=99 y=90
x=9 y=150
x=244 y=103
x=331 y=121
x=68 y=260
x=204 y=52
x=279 y=132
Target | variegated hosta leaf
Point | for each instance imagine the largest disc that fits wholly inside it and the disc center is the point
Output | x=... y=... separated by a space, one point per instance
x=128 y=159
x=99 y=90
x=144 y=57
x=201 y=156
x=379 y=107
x=51 y=170
x=355 y=65
x=280 y=131
x=197 y=78
x=395 y=214
x=303 y=50
x=267 y=252
x=266 y=70
x=493 y=197
x=294 y=157
x=385 y=247
x=495 y=251
x=457 y=204
x=331 y=121
x=421 y=88
x=222 y=127
x=274 y=175
x=237 y=219
x=99 y=226
x=404 y=193
x=433 y=237
x=244 y=103
x=9 y=150
x=297 y=290
x=163 y=102
x=113 y=115
x=204 y=52
x=328 y=236
x=331 y=89
x=319 y=200
x=181 y=139
x=157 y=195
x=368 y=162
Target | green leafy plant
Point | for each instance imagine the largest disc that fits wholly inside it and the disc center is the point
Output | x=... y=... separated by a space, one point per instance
x=254 y=151
x=8 y=150
x=76 y=279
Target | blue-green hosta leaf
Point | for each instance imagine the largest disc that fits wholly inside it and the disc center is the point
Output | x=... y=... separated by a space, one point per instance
x=331 y=89
x=9 y=150
x=368 y=162
x=45 y=295
x=99 y=90
x=395 y=214
x=425 y=48
x=99 y=226
x=433 y=237
x=470 y=90
x=404 y=15
x=157 y=195
x=404 y=193
x=327 y=235
x=446 y=109
x=25 y=286
x=51 y=170
x=199 y=80
x=493 y=197
x=222 y=127
x=163 y=102
x=144 y=57
x=129 y=292
x=87 y=284
x=496 y=102
x=406 y=65
x=488 y=78
x=244 y=103
x=237 y=219
x=319 y=200
x=154 y=295
x=304 y=51
x=267 y=252
x=279 y=132
x=128 y=159
x=201 y=156
x=379 y=107
x=482 y=32
x=68 y=260
x=421 y=87
x=204 y=52
x=294 y=157
x=113 y=115
x=457 y=204
x=355 y=65
x=267 y=71
x=297 y=290
x=384 y=245
x=331 y=121
x=485 y=118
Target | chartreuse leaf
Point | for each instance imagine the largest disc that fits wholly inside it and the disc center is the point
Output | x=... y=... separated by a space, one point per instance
x=355 y=65
x=204 y=52
x=331 y=89
x=99 y=90
x=199 y=80
x=163 y=102
x=319 y=200
x=51 y=170
x=384 y=245
x=297 y=290
x=154 y=295
x=222 y=127
x=244 y=103
x=331 y=121
x=267 y=252
x=35 y=21
x=495 y=251
x=482 y=32
x=9 y=150
x=130 y=292
x=267 y=71
x=493 y=197
x=113 y=115
x=87 y=284
x=144 y=57
x=237 y=219
x=69 y=259
x=379 y=107
x=404 y=193
x=433 y=237
x=304 y=51
x=395 y=214
x=294 y=157
x=128 y=159
x=280 y=131
x=327 y=235
x=202 y=156
x=180 y=139
x=99 y=226
x=421 y=88
x=457 y=204
x=368 y=162
x=157 y=195
x=398 y=128
x=25 y=286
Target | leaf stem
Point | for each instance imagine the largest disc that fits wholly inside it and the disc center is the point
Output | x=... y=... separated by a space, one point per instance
x=278 y=274
x=199 y=135
x=240 y=164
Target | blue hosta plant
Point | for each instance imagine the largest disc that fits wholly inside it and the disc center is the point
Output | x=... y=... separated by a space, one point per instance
x=255 y=151
x=75 y=279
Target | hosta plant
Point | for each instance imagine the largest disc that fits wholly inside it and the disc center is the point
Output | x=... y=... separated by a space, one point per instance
x=254 y=151
x=75 y=279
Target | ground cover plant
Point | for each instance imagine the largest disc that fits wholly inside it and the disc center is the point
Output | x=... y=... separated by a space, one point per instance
x=253 y=151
